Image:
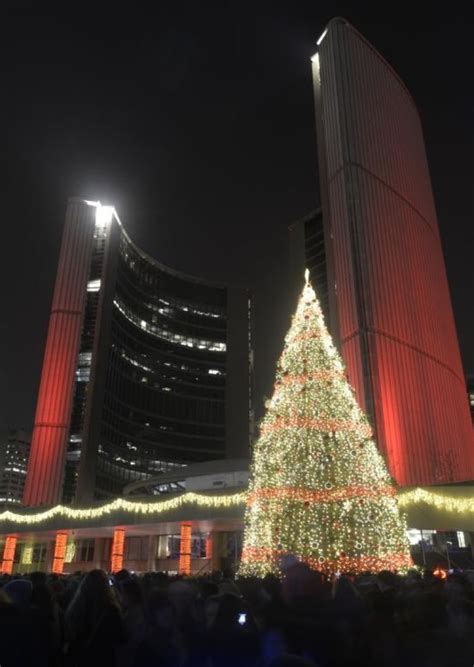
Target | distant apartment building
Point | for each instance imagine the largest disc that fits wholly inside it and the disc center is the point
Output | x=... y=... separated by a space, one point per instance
x=470 y=394
x=14 y=451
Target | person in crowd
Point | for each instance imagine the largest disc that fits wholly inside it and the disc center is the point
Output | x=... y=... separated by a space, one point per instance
x=25 y=637
x=350 y=618
x=132 y=604
x=159 y=644
x=184 y=596
x=94 y=625
x=288 y=660
x=133 y=612
x=161 y=620
x=49 y=615
x=232 y=635
x=310 y=629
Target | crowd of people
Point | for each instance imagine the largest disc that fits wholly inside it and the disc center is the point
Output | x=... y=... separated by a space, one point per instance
x=155 y=620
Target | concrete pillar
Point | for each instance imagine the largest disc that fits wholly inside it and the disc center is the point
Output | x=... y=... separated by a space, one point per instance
x=49 y=555
x=9 y=554
x=152 y=551
x=209 y=546
x=26 y=558
x=162 y=546
x=59 y=552
x=118 y=548
x=218 y=544
x=185 y=549
x=98 y=553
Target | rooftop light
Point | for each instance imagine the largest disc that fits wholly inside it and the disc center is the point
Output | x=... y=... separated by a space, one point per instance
x=103 y=215
x=322 y=37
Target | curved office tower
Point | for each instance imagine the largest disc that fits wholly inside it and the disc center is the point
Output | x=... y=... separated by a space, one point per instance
x=389 y=299
x=145 y=368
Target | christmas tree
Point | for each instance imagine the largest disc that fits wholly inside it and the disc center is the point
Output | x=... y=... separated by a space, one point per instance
x=319 y=489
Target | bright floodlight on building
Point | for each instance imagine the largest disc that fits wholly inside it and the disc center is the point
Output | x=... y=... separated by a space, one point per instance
x=103 y=215
x=322 y=37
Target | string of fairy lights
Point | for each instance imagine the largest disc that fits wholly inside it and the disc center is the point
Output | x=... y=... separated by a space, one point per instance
x=129 y=506
x=437 y=501
x=407 y=500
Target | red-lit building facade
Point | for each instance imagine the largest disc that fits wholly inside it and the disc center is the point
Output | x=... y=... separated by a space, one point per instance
x=380 y=251
x=146 y=369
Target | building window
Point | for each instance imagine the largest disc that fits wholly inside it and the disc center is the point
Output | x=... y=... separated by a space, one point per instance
x=84 y=551
x=164 y=334
x=198 y=546
x=93 y=286
x=39 y=553
x=136 y=548
x=461 y=538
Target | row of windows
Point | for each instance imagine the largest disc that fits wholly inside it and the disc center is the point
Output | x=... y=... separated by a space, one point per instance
x=167 y=312
x=111 y=478
x=152 y=443
x=121 y=455
x=155 y=279
x=165 y=334
x=133 y=468
x=140 y=397
x=148 y=421
x=167 y=382
x=152 y=351
x=186 y=371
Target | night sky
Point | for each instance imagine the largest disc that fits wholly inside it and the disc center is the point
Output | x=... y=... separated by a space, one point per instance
x=197 y=124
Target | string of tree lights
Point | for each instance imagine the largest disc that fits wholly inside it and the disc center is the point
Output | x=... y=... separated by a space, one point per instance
x=319 y=488
x=406 y=499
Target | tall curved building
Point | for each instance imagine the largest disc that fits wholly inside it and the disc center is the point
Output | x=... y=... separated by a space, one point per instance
x=389 y=301
x=145 y=368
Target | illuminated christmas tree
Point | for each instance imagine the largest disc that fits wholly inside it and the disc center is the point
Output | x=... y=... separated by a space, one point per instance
x=319 y=488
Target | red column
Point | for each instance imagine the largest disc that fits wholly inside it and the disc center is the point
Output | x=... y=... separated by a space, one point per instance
x=185 y=549
x=209 y=545
x=53 y=408
x=59 y=553
x=396 y=326
x=118 y=544
x=9 y=554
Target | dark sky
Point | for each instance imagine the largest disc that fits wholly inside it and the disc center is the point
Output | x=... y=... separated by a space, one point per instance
x=196 y=122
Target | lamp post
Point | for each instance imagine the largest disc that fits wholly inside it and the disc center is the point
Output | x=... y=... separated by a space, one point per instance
x=422 y=545
x=448 y=544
